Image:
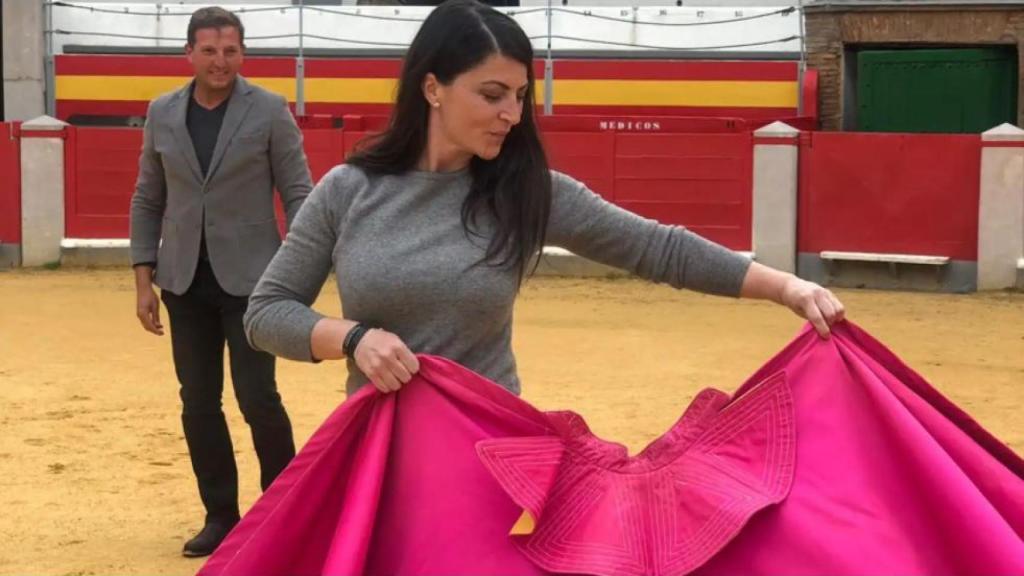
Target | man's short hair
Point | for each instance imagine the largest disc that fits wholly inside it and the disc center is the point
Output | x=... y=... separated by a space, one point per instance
x=214 y=17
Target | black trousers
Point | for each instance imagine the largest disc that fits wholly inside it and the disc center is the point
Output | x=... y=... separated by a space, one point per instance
x=202 y=320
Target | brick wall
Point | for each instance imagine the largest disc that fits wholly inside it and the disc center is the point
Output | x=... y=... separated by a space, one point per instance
x=830 y=28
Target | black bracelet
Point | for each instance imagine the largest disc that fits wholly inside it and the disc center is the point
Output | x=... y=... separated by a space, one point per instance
x=352 y=340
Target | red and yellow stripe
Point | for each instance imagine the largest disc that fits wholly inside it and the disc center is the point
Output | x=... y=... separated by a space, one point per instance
x=118 y=83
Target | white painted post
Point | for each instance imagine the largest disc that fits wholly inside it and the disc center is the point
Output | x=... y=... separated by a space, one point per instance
x=1001 y=207
x=42 y=190
x=776 y=155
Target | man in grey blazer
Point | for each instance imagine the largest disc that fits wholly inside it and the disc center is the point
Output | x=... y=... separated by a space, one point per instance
x=203 y=230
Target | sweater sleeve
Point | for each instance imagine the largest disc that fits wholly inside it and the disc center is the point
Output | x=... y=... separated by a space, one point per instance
x=586 y=224
x=280 y=319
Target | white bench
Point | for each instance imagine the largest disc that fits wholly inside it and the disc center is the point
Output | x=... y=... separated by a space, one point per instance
x=893 y=260
x=94 y=243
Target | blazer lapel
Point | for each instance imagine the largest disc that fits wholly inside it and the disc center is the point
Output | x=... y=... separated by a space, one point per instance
x=179 y=127
x=238 y=107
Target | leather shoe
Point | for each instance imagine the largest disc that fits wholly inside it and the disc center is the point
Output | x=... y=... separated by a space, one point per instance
x=204 y=543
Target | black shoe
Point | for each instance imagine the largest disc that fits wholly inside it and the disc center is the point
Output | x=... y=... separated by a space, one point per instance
x=204 y=543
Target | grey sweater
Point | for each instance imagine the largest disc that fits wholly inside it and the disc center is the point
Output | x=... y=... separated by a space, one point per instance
x=404 y=263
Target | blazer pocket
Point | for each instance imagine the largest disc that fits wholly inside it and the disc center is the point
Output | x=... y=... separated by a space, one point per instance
x=168 y=249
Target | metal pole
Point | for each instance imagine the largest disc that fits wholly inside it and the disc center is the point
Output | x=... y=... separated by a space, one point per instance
x=549 y=72
x=159 y=29
x=802 y=66
x=51 y=87
x=300 y=71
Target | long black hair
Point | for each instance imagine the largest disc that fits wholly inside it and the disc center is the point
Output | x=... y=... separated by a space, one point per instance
x=514 y=188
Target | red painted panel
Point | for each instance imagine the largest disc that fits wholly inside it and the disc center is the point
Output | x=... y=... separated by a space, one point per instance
x=324 y=150
x=103 y=163
x=810 y=100
x=683 y=145
x=701 y=181
x=617 y=122
x=351 y=140
x=680 y=190
x=10 y=186
x=613 y=121
x=102 y=166
x=350 y=68
x=689 y=214
x=585 y=157
x=890 y=193
x=68 y=108
x=364 y=122
x=683 y=167
x=729 y=235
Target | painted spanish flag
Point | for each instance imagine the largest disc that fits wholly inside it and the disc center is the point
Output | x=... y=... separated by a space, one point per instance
x=122 y=85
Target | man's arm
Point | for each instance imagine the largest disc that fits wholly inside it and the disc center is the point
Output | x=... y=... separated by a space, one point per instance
x=145 y=223
x=288 y=161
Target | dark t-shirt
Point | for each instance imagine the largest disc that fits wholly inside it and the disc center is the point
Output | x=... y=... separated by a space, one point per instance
x=204 y=127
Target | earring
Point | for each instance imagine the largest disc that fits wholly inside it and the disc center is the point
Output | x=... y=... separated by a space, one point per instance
x=435 y=104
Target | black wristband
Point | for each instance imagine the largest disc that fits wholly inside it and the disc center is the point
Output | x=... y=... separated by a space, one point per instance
x=352 y=340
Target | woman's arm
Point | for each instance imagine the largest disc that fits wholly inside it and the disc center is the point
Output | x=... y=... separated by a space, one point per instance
x=280 y=319
x=807 y=299
x=381 y=355
x=586 y=224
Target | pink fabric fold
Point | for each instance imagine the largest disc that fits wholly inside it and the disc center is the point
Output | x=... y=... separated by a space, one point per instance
x=834 y=458
x=665 y=511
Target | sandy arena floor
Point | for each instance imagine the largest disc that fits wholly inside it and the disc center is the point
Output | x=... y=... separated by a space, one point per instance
x=94 y=477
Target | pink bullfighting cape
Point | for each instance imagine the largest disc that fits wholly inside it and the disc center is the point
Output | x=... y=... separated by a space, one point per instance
x=834 y=458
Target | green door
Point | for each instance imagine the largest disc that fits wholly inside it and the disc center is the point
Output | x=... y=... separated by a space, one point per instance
x=941 y=90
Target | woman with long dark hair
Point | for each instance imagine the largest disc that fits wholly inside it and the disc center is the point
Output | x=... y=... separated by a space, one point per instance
x=431 y=229
x=433 y=225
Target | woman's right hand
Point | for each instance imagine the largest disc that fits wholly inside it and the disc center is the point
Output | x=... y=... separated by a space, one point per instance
x=385 y=360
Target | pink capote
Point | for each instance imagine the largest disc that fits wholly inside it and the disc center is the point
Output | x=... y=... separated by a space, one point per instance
x=834 y=458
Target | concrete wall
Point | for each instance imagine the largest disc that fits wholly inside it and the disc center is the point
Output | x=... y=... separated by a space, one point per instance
x=24 y=55
x=776 y=158
x=1001 y=208
x=42 y=191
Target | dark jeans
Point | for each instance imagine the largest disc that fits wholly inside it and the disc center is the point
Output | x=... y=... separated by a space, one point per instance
x=202 y=320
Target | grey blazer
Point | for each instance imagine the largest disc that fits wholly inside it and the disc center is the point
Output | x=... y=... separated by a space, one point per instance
x=259 y=147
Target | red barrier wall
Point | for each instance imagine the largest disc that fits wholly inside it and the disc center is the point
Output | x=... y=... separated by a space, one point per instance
x=701 y=181
x=101 y=165
x=325 y=149
x=605 y=123
x=10 y=185
x=890 y=193
x=587 y=157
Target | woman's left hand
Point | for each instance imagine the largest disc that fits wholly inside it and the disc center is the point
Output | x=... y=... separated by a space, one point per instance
x=809 y=300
